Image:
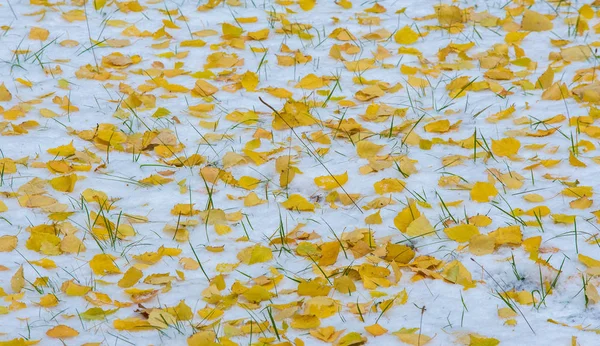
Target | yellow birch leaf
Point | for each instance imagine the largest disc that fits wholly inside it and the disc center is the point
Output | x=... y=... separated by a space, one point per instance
x=192 y=43
x=255 y=254
x=406 y=35
x=457 y=273
x=48 y=301
x=104 y=264
x=40 y=34
x=311 y=82
x=534 y=21
x=575 y=162
x=461 y=233
x=329 y=182
x=132 y=324
x=231 y=31
x=259 y=35
x=203 y=89
x=62 y=332
x=505 y=147
x=63 y=150
x=546 y=79
x=98 y=4
x=482 y=244
x=475 y=340
x=17 y=282
x=130 y=277
x=250 y=81
x=307 y=5
x=507 y=235
x=351 y=339
x=374 y=219
x=5 y=95
x=406 y=217
x=482 y=191
x=439 y=126
x=366 y=149
x=388 y=185
x=64 y=183
x=298 y=202
x=376 y=329
x=8 y=242
x=420 y=227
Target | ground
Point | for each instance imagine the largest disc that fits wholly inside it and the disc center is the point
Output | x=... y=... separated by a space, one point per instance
x=257 y=172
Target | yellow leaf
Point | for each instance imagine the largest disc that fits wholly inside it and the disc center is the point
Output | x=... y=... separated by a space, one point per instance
x=534 y=21
x=62 y=332
x=73 y=289
x=589 y=261
x=388 y=185
x=575 y=162
x=406 y=217
x=257 y=294
x=98 y=4
x=298 y=202
x=5 y=95
x=192 y=43
x=45 y=112
x=456 y=272
x=62 y=150
x=376 y=329
x=482 y=191
x=231 y=31
x=203 y=89
x=406 y=35
x=351 y=339
x=17 y=282
x=307 y=5
x=507 y=235
x=366 y=149
x=330 y=252
x=412 y=338
x=104 y=264
x=259 y=35
x=64 y=183
x=374 y=219
x=369 y=93
x=305 y=321
x=546 y=79
x=45 y=263
x=132 y=324
x=439 y=126
x=8 y=242
x=161 y=319
x=250 y=81
x=506 y=147
x=255 y=254
x=581 y=203
x=461 y=233
x=294 y=114
x=482 y=244
x=203 y=338
x=329 y=182
x=591 y=293
x=311 y=82
x=533 y=197
x=420 y=227
x=475 y=340
x=156 y=179
x=36 y=33
x=48 y=301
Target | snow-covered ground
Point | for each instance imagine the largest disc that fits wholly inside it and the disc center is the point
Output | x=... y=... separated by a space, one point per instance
x=299 y=172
